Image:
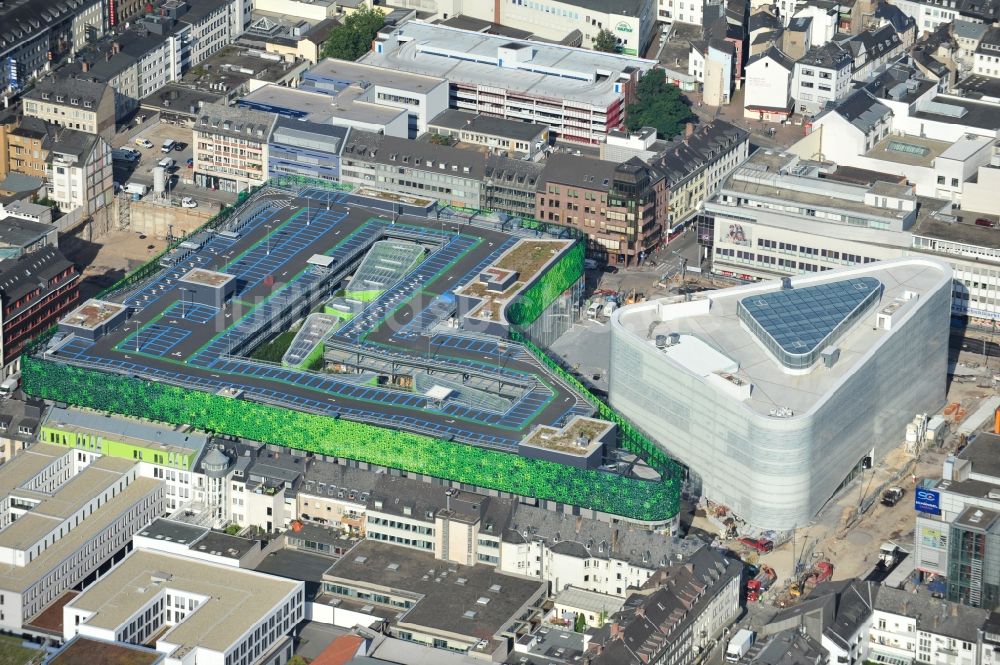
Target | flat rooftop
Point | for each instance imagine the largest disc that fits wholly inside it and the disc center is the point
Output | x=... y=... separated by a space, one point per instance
x=764 y=176
x=465 y=57
x=92 y=314
x=908 y=150
x=27 y=464
x=578 y=437
x=236 y=598
x=204 y=277
x=456 y=119
x=447 y=594
x=717 y=347
x=98 y=652
x=344 y=70
x=129 y=431
x=320 y=107
x=965 y=232
x=169 y=531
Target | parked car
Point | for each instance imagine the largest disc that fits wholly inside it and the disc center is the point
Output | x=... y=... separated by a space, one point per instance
x=144 y=143
x=610 y=269
x=190 y=162
x=180 y=145
x=188 y=202
x=982 y=221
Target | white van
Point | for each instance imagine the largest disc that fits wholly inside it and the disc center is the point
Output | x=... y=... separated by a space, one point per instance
x=167 y=146
x=9 y=385
x=166 y=162
x=609 y=308
x=593 y=310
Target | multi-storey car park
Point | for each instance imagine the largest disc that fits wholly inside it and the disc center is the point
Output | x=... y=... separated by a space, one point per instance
x=399 y=386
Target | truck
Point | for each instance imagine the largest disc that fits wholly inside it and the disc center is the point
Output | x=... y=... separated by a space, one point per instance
x=891 y=496
x=136 y=188
x=759 y=583
x=739 y=645
x=821 y=572
x=762 y=545
x=9 y=385
x=889 y=554
x=167 y=162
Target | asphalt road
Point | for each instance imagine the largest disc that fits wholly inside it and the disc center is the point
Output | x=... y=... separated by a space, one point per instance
x=180 y=347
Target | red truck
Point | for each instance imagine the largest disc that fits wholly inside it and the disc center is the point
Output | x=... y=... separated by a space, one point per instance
x=760 y=583
x=762 y=545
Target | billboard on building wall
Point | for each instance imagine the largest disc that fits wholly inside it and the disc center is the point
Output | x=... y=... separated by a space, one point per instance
x=737 y=234
x=12 y=78
x=926 y=500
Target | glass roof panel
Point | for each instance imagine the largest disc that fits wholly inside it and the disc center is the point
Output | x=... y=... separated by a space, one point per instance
x=800 y=319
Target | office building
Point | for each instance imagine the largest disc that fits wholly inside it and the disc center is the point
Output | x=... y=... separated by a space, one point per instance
x=509 y=185
x=194 y=611
x=307 y=149
x=421 y=170
x=460 y=608
x=60 y=520
x=36 y=290
x=500 y=136
x=167 y=454
x=581 y=95
x=421 y=97
x=839 y=388
x=230 y=145
x=347 y=110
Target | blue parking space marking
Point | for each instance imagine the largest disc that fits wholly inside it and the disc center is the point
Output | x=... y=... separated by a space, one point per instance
x=191 y=311
x=156 y=339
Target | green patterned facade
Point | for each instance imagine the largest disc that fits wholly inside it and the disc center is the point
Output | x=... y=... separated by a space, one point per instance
x=504 y=472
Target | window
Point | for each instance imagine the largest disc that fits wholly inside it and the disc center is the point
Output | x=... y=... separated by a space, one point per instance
x=940 y=179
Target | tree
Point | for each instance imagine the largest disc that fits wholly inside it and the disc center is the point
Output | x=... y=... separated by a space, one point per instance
x=580 y=624
x=351 y=39
x=297 y=660
x=658 y=104
x=606 y=41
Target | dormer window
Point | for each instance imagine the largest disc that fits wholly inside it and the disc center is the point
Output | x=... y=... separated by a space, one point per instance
x=74 y=100
x=46 y=96
x=60 y=98
x=88 y=104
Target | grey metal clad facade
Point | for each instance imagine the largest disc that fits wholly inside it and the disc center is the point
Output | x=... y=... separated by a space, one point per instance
x=777 y=469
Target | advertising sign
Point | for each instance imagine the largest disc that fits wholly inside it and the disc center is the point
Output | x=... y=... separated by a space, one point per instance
x=927 y=501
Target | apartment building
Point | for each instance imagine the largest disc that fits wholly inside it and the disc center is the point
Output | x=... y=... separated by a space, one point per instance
x=19 y=423
x=335 y=495
x=36 y=32
x=509 y=185
x=580 y=95
x=28 y=146
x=36 y=290
x=986 y=58
x=60 y=520
x=768 y=94
x=80 y=174
x=821 y=76
x=680 y=612
x=930 y=14
x=77 y=104
x=230 y=145
x=423 y=170
x=695 y=165
x=621 y=207
x=194 y=611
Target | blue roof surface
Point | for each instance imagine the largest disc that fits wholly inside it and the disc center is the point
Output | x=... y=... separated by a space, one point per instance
x=799 y=320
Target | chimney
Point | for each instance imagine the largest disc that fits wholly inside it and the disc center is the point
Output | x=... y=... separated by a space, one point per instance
x=688 y=129
x=616 y=630
x=116 y=47
x=954 y=609
x=85 y=65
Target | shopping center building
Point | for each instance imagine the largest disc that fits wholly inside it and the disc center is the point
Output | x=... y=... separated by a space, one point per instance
x=777 y=393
